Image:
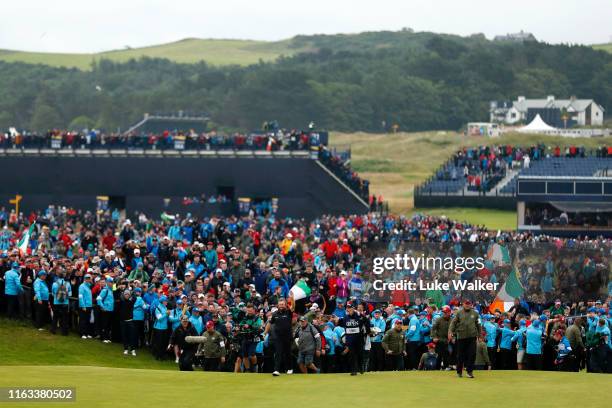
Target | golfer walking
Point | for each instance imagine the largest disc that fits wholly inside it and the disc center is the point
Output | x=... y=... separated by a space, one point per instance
x=464 y=329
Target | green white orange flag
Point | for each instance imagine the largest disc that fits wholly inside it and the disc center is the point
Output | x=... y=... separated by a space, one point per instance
x=510 y=290
x=24 y=242
x=300 y=290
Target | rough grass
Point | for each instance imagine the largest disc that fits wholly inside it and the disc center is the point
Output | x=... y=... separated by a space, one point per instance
x=20 y=344
x=214 y=52
x=117 y=387
x=604 y=47
x=396 y=163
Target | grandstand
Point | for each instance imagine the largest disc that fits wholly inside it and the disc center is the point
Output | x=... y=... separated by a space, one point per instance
x=568 y=192
x=291 y=175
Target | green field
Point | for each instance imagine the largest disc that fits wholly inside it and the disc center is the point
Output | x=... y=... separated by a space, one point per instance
x=120 y=387
x=604 y=47
x=214 y=52
x=104 y=377
x=20 y=344
x=396 y=163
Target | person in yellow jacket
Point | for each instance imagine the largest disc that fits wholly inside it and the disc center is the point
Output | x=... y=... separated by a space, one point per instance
x=285 y=244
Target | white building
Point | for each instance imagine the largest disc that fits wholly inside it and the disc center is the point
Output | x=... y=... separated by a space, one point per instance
x=586 y=112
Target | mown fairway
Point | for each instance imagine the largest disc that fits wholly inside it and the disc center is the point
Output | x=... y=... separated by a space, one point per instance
x=120 y=387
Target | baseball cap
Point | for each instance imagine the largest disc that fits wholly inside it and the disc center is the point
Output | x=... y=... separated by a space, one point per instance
x=210 y=324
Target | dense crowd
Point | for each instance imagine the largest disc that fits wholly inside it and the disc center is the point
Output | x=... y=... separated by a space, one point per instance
x=215 y=293
x=168 y=139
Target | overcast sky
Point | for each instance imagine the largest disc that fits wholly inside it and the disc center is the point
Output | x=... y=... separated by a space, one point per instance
x=92 y=26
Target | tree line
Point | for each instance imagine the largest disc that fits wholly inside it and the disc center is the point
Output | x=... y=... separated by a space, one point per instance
x=432 y=82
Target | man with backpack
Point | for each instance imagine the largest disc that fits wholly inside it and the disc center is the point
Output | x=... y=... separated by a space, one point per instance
x=308 y=340
x=429 y=359
x=60 y=291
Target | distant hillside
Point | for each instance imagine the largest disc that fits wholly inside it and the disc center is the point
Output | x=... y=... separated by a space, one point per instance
x=604 y=47
x=215 y=52
x=243 y=52
x=360 y=82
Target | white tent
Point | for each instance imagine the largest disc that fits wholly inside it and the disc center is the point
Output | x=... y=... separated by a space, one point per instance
x=537 y=125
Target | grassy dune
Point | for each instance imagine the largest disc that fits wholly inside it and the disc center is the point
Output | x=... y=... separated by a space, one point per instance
x=395 y=163
x=215 y=52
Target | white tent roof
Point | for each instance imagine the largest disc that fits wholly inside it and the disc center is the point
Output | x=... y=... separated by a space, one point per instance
x=536 y=125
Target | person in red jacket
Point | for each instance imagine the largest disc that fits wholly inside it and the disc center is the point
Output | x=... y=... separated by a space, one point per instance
x=330 y=247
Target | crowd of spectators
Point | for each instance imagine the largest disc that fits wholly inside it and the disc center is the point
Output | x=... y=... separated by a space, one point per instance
x=342 y=170
x=93 y=139
x=214 y=291
x=483 y=167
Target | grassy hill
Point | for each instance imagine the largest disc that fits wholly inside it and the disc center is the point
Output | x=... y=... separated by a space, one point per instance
x=395 y=163
x=23 y=345
x=604 y=47
x=191 y=50
x=243 y=52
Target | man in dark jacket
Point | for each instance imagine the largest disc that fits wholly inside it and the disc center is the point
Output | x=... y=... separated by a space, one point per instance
x=126 y=314
x=439 y=335
x=356 y=328
x=187 y=350
x=279 y=328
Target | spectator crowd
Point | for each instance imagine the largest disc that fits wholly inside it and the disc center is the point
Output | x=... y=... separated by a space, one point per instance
x=255 y=294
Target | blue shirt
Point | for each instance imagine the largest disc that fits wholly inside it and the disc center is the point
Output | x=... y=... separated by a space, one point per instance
x=85 y=297
x=380 y=323
x=105 y=299
x=518 y=337
x=161 y=317
x=331 y=338
x=55 y=288
x=563 y=348
x=12 y=283
x=491 y=330
x=139 y=309
x=506 y=338
x=534 y=340
x=175 y=317
x=41 y=290
x=414 y=329
x=604 y=331
x=197 y=323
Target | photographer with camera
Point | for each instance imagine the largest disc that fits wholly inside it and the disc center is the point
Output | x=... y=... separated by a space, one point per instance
x=249 y=332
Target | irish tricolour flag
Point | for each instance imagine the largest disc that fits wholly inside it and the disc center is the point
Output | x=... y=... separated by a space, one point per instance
x=24 y=242
x=498 y=254
x=509 y=291
x=300 y=290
